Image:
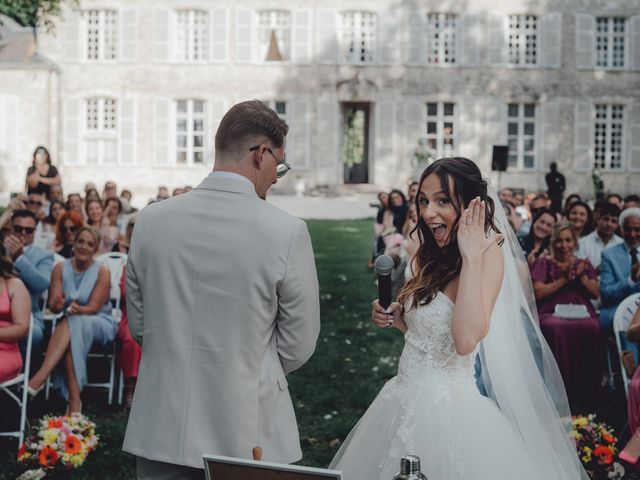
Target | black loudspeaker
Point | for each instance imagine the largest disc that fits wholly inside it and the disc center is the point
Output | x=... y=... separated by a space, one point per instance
x=500 y=158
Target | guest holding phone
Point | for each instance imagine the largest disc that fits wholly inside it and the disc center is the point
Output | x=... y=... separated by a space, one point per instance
x=536 y=243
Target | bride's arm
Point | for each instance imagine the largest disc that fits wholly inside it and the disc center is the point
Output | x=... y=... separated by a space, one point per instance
x=480 y=280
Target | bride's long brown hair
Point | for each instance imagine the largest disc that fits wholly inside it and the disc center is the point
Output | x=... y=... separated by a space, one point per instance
x=436 y=266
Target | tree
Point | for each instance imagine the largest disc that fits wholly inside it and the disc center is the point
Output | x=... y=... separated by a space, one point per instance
x=34 y=13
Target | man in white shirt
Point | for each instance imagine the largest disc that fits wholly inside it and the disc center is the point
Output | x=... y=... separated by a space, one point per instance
x=592 y=245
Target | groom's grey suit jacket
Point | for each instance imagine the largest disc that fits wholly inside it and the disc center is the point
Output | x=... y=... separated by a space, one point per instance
x=222 y=292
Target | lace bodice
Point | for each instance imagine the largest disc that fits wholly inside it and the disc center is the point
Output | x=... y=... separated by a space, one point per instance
x=429 y=349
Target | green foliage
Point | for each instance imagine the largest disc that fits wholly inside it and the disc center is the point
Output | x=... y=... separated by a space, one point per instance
x=35 y=13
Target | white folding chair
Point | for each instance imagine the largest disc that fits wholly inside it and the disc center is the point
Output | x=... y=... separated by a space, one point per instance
x=115 y=261
x=621 y=320
x=20 y=381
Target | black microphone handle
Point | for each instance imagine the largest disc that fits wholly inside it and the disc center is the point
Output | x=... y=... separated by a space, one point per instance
x=384 y=290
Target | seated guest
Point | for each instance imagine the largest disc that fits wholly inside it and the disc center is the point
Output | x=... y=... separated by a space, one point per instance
x=75 y=203
x=412 y=192
x=620 y=268
x=15 y=309
x=33 y=266
x=130 y=352
x=615 y=199
x=592 y=245
x=125 y=240
x=79 y=288
x=536 y=243
x=580 y=217
x=562 y=278
x=66 y=230
x=574 y=197
x=56 y=210
x=631 y=201
x=91 y=194
x=109 y=230
x=396 y=213
x=538 y=203
x=631 y=450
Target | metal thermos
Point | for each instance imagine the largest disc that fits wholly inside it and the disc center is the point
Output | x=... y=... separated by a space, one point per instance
x=410 y=469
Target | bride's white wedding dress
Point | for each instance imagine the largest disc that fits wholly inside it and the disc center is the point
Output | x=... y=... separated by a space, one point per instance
x=433 y=409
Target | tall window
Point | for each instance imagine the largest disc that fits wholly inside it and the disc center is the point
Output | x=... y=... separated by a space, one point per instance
x=441 y=132
x=190 y=128
x=358 y=37
x=274 y=35
x=521 y=129
x=523 y=39
x=102 y=34
x=608 y=136
x=191 y=35
x=102 y=131
x=441 y=28
x=610 y=33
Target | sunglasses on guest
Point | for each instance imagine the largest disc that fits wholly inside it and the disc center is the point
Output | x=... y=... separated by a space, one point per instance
x=35 y=202
x=69 y=229
x=20 y=229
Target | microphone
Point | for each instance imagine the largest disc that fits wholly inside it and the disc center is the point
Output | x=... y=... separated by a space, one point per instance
x=383 y=268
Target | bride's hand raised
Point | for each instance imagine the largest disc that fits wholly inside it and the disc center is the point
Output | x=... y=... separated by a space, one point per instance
x=392 y=317
x=472 y=239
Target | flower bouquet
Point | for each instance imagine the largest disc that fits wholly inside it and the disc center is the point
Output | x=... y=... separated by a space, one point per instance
x=58 y=442
x=595 y=443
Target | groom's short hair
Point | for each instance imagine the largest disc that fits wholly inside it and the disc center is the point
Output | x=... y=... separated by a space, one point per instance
x=247 y=120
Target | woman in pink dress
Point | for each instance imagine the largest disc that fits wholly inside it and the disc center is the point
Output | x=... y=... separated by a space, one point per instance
x=15 y=308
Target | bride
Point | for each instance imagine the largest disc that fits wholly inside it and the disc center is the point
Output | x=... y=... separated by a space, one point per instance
x=469 y=296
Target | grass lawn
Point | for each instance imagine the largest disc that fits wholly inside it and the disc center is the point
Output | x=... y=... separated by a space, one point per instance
x=352 y=361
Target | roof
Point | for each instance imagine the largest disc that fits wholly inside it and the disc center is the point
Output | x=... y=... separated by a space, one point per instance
x=18 y=46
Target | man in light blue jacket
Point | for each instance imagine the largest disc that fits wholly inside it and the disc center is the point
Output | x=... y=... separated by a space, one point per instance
x=620 y=268
x=33 y=265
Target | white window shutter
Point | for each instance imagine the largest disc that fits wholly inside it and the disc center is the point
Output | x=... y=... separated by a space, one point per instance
x=497 y=45
x=217 y=109
x=634 y=137
x=326 y=37
x=469 y=34
x=326 y=146
x=74 y=33
x=417 y=51
x=161 y=35
x=385 y=163
x=301 y=48
x=244 y=35
x=219 y=25
x=73 y=116
x=550 y=40
x=551 y=137
x=128 y=34
x=298 y=136
x=469 y=121
x=583 y=141
x=388 y=34
x=162 y=133
x=634 y=53
x=127 y=129
x=415 y=126
x=9 y=131
x=585 y=41
x=493 y=129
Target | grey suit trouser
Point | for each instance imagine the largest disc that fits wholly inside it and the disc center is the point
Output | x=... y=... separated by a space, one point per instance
x=154 y=470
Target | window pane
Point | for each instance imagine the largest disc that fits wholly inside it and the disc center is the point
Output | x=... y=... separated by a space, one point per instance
x=528 y=128
x=198 y=106
x=198 y=157
x=529 y=110
x=431 y=127
x=513 y=129
x=182 y=106
x=448 y=108
x=182 y=125
x=432 y=109
x=528 y=161
x=181 y=141
x=197 y=141
x=181 y=158
x=513 y=110
x=198 y=125
x=281 y=108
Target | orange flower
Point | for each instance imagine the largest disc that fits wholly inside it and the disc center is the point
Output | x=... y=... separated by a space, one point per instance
x=72 y=445
x=605 y=454
x=47 y=457
x=22 y=451
x=55 y=423
x=608 y=438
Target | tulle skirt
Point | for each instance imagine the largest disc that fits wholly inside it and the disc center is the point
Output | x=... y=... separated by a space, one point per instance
x=457 y=433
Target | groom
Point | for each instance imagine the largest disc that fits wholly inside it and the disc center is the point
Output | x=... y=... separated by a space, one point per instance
x=222 y=293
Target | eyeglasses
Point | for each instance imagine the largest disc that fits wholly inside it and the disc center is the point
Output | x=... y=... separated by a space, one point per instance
x=35 y=202
x=282 y=168
x=20 y=229
x=631 y=229
x=69 y=229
